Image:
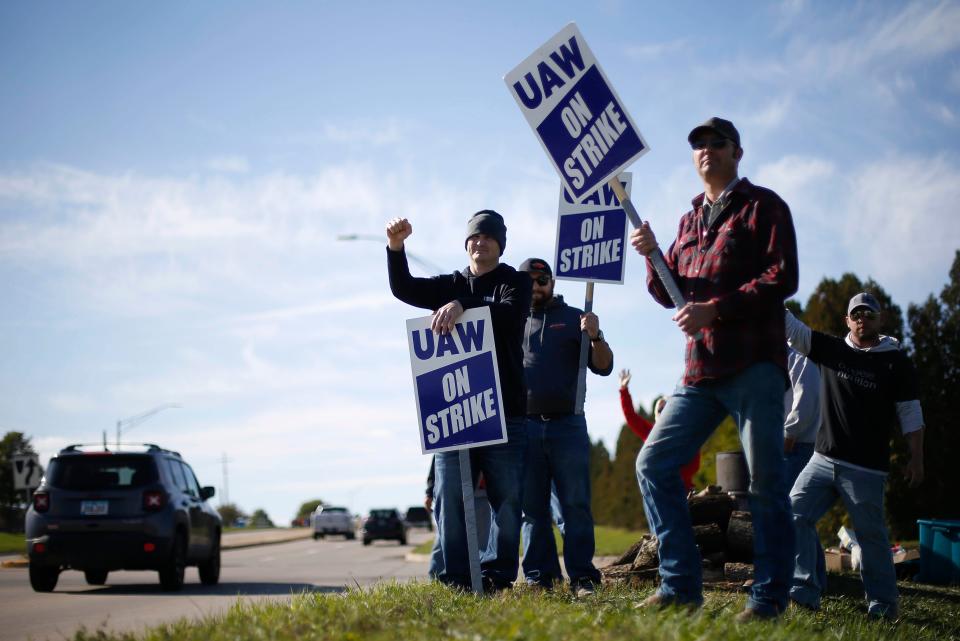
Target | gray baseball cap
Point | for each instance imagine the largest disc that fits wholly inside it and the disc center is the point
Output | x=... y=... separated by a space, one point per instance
x=863 y=299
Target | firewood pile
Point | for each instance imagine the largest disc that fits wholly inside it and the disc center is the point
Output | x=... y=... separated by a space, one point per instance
x=724 y=536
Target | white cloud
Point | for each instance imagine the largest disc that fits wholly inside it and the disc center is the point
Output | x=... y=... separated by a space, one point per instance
x=943 y=113
x=655 y=50
x=72 y=403
x=771 y=116
x=918 y=33
x=229 y=164
x=894 y=222
x=791 y=175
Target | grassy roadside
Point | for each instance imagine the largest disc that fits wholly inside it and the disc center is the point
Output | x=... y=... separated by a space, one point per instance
x=610 y=541
x=430 y=611
x=12 y=543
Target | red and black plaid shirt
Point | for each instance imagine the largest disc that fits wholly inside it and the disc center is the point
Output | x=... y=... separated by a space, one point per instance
x=746 y=262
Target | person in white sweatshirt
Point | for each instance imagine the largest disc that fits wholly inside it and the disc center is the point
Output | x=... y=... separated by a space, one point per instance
x=868 y=385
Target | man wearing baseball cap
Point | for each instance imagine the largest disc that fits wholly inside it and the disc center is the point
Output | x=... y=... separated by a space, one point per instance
x=735 y=260
x=868 y=385
x=558 y=448
x=484 y=282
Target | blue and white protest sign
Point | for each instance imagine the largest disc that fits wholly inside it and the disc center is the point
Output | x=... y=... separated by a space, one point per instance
x=592 y=236
x=457 y=383
x=575 y=112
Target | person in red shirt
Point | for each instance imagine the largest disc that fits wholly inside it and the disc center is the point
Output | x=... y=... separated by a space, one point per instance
x=641 y=426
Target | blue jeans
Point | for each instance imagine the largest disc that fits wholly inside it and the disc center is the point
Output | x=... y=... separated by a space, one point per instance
x=817 y=489
x=558 y=455
x=436 y=553
x=484 y=516
x=796 y=459
x=754 y=398
x=502 y=466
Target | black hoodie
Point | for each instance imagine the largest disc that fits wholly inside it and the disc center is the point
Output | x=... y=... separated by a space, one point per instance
x=551 y=358
x=504 y=290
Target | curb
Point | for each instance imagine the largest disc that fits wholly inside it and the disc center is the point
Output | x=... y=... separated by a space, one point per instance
x=21 y=562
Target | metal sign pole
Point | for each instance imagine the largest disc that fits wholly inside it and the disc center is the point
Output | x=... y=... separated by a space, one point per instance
x=470 y=518
x=584 y=353
x=659 y=265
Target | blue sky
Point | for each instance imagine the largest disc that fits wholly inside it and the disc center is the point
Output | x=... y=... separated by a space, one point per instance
x=173 y=177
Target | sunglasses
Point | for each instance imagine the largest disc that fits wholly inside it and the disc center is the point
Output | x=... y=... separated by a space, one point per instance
x=543 y=280
x=716 y=143
x=864 y=314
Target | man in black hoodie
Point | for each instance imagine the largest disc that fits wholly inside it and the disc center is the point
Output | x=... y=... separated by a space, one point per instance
x=484 y=282
x=558 y=452
x=868 y=387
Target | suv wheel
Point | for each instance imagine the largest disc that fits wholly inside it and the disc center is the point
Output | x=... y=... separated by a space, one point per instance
x=351 y=536
x=403 y=539
x=210 y=569
x=95 y=577
x=366 y=541
x=171 y=574
x=43 y=578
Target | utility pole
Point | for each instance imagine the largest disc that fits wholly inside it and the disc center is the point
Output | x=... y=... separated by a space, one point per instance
x=226 y=482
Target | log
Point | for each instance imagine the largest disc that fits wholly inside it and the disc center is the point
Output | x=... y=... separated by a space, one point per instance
x=711 y=507
x=738 y=572
x=631 y=553
x=740 y=537
x=647 y=557
x=709 y=538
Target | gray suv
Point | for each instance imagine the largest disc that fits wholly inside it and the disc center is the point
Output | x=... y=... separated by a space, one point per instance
x=98 y=511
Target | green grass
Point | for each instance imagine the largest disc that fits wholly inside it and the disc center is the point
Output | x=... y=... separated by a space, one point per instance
x=12 y=543
x=430 y=611
x=610 y=541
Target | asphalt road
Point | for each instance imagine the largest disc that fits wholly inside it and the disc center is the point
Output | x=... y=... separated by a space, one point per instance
x=134 y=600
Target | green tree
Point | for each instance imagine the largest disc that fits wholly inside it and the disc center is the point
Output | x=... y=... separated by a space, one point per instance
x=600 y=471
x=726 y=438
x=260 y=519
x=935 y=349
x=11 y=500
x=230 y=512
x=309 y=507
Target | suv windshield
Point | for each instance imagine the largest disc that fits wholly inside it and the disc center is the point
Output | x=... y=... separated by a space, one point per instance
x=334 y=510
x=383 y=514
x=102 y=472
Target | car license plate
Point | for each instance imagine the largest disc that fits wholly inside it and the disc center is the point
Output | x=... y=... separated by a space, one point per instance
x=94 y=508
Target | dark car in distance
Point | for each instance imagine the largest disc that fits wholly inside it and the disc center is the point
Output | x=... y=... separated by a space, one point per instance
x=417 y=516
x=384 y=524
x=100 y=511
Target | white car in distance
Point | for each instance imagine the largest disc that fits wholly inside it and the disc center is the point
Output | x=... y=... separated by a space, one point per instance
x=332 y=520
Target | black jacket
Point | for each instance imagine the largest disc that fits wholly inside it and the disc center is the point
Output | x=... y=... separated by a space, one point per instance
x=551 y=358
x=504 y=290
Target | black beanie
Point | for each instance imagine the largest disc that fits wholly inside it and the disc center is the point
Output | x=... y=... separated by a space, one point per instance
x=489 y=222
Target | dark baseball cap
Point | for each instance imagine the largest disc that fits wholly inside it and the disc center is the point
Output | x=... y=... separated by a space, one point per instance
x=719 y=126
x=863 y=299
x=535 y=265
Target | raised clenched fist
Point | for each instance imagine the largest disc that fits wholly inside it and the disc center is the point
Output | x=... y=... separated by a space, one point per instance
x=398 y=230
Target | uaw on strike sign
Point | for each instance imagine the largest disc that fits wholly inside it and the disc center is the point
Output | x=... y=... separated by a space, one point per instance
x=575 y=112
x=457 y=383
x=591 y=236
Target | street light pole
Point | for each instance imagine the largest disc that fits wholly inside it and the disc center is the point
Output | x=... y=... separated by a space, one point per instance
x=422 y=262
x=132 y=421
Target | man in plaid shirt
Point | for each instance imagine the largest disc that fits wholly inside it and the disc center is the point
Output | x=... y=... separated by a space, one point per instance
x=735 y=260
